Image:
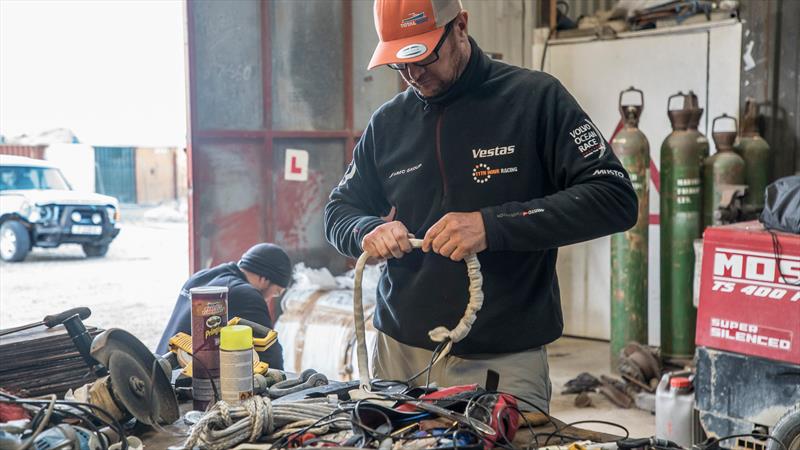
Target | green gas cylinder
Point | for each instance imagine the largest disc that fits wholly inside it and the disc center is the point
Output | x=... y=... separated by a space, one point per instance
x=681 y=221
x=722 y=170
x=629 y=249
x=758 y=161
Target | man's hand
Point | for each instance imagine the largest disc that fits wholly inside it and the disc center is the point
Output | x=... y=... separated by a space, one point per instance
x=389 y=240
x=456 y=235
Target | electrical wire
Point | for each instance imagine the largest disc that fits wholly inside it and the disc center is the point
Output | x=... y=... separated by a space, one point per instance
x=368 y=430
x=407 y=383
x=534 y=406
x=83 y=418
x=284 y=441
x=777 y=252
x=508 y=442
x=504 y=441
x=755 y=435
x=86 y=409
x=100 y=437
x=602 y=422
x=434 y=356
x=42 y=423
x=196 y=361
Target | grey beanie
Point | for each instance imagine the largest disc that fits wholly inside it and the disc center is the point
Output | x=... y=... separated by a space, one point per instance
x=269 y=261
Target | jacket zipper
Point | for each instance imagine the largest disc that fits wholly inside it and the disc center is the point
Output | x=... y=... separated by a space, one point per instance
x=439 y=155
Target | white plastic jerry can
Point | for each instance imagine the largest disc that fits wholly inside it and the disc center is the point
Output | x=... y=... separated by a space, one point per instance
x=675 y=410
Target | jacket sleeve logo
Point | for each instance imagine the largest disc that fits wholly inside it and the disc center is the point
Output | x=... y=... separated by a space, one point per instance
x=351 y=172
x=588 y=139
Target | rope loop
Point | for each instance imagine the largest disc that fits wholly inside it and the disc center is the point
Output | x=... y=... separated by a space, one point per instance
x=438 y=334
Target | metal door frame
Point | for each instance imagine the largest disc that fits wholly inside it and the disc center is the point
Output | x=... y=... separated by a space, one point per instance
x=267 y=135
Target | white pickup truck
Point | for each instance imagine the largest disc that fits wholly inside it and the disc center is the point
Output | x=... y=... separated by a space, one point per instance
x=38 y=208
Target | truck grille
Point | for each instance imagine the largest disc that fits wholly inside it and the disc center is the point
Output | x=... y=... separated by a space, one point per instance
x=82 y=215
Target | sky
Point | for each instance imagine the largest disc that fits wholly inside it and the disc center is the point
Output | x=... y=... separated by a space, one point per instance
x=112 y=71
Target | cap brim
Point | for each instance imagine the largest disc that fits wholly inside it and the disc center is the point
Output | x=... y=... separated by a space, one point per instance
x=386 y=52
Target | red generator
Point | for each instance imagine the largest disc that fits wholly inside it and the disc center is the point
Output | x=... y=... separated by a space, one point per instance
x=748 y=334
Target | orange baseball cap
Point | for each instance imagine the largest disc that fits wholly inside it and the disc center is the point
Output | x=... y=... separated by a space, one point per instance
x=410 y=29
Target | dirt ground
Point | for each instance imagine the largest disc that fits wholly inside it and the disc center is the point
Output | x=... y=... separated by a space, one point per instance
x=134 y=287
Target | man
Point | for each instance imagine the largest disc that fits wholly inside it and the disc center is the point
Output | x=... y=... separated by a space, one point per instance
x=260 y=277
x=476 y=156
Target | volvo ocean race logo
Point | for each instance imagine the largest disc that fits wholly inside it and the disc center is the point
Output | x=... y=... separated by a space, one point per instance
x=588 y=139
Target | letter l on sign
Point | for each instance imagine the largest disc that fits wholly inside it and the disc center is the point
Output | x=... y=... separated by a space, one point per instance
x=296 y=165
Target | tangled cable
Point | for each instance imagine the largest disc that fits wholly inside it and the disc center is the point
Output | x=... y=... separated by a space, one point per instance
x=225 y=426
x=439 y=334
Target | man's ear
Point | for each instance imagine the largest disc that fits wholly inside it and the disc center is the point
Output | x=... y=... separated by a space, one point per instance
x=463 y=21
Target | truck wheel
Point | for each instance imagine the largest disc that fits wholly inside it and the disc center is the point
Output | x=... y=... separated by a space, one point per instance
x=15 y=242
x=787 y=430
x=95 y=251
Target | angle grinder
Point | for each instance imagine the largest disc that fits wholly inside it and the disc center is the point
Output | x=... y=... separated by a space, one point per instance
x=137 y=385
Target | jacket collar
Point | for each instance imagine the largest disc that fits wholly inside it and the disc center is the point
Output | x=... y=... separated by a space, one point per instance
x=474 y=74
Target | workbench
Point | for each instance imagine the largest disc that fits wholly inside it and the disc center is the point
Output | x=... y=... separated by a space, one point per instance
x=175 y=434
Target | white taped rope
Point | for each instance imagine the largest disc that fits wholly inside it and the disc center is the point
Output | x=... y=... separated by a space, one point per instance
x=438 y=334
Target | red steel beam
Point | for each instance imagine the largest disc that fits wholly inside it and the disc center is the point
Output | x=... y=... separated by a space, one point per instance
x=194 y=235
x=231 y=134
x=300 y=134
x=273 y=134
x=347 y=24
x=266 y=83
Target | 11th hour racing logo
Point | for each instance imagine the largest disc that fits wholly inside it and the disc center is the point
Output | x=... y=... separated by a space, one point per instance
x=482 y=172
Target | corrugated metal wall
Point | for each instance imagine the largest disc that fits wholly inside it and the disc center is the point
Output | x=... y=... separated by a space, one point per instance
x=29 y=151
x=579 y=8
x=116 y=172
x=156 y=175
x=504 y=27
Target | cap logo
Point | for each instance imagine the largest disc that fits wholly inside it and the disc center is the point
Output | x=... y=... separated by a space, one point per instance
x=411 y=51
x=414 y=19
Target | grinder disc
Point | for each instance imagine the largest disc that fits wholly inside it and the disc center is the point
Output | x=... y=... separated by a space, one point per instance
x=138 y=382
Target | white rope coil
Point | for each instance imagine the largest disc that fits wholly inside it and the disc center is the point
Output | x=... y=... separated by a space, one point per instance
x=225 y=426
x=438 y=334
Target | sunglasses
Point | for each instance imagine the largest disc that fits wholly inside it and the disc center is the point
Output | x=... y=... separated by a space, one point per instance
x=432 y=58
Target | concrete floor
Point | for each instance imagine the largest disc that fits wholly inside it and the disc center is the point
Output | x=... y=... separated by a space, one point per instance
x=570 y=356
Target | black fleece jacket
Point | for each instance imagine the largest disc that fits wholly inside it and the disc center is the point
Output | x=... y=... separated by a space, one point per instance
x=510 y=143
x=244 y=301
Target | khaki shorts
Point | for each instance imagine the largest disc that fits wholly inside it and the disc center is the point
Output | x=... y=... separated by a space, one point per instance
x=525 y=374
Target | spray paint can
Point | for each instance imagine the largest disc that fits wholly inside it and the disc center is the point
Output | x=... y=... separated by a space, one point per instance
x=236 y=363
x=209 y=315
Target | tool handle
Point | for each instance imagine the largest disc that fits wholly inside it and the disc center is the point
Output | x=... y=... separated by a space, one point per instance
x=258 y=329
x=56 y=319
